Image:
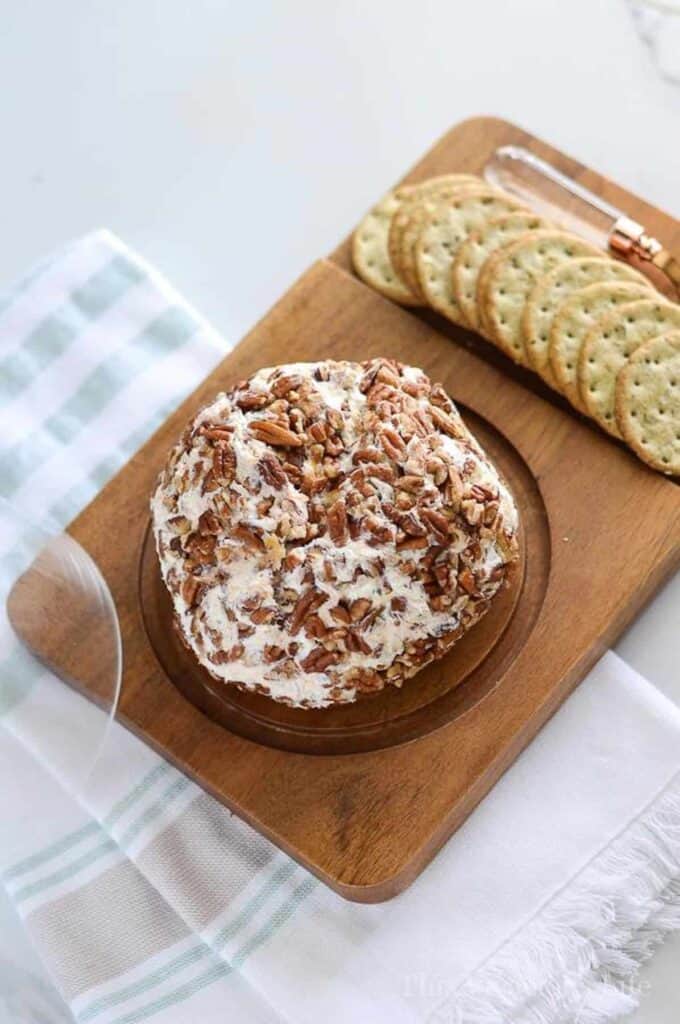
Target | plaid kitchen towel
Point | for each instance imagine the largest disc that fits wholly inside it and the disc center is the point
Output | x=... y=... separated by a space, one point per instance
x=148 y=901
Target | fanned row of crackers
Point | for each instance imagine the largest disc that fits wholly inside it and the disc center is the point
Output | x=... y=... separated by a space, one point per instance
x=592 y=327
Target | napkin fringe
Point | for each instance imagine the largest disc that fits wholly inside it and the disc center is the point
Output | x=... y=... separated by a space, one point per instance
x=591 y=939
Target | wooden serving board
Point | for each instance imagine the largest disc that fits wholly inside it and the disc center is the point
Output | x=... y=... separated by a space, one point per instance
x=377 y=792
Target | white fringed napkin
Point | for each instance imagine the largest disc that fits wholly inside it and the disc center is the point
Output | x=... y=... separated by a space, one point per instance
x=147 y=900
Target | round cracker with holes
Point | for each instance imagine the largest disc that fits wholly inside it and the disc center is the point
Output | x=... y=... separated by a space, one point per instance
x=370 y=255
x=449 y=226
x=425 y=193
x=608 y=347
x=407 y=229
x=575 y=318
x=473 y=254
x=551 y=291
x=508 y=276
x=648 y=402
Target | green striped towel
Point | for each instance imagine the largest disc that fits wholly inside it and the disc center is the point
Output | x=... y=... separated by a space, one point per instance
x=147 y=900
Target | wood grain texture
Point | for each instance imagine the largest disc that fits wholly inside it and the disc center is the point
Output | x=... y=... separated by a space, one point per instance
x=609 y=529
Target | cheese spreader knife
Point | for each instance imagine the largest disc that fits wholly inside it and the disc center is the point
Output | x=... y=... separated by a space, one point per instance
x=558 y=197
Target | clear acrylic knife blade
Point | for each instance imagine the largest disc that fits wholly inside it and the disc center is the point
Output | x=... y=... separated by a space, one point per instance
x=552 y=194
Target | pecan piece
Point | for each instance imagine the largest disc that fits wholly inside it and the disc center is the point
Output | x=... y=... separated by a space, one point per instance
x=438 y=523
x=223 y=462
x=262 y=615
x=368 y=454
x=386 y=375
x=354 y=528
x=423 y=425
x=393 y=445
x=272 y=471
x=335 y=418
x=341 y=614
x=445 y=423
x=355 y=643
x=382 y=471
x=216 y=433
x=490 y=513
x=467 y=581
x=368 y=379
x=201 y=547
x=439 y=397
x=473 y=512
x=252 y=400
x=455 y=486
x=248 y=537
x=438 y=469
x=411 y=524
x=208 y=523
x=210 y=482
x=275 y=434
x=359 y=608
x=180 y=523
x=413 y=389
x=318 y=432
x=405 y=501
x=319 y=659
x=442 y=573
x=294 y=473
x=380 y=531
x=337 y=522
x=411 y=482
x=315 y=628
x=284 y=384
x=382 y=393
x=480 y=493
x=308 y=602
x=368 y=681
x=272 y=652
x=333 y=446
x=412 y=543
x=398 y=604
x=192 y=591
x=222 y=657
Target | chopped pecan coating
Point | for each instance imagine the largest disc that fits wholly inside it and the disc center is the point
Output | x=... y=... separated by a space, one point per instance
x=327 y=529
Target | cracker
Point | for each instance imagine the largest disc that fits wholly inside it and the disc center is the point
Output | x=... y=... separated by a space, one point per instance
x=551 y=291
x=508 y=276
x=473 y=253
x=648 y=402
x=408 y=230
x=439 y=187
x=575 y=318
x=608 y=347
x=445 y=231
x=370 y=255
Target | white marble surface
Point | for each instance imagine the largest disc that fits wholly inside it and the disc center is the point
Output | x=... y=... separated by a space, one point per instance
x=234 y=143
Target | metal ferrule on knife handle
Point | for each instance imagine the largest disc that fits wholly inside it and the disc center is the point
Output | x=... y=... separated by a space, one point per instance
x=630 y=238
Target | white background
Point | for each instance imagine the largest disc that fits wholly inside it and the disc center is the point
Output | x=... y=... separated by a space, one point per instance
x=233 y=143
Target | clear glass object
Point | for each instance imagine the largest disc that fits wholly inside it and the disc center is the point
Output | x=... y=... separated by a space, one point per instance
x=60 y=647
x=552 y=194
x=564 y=201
